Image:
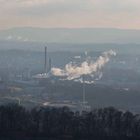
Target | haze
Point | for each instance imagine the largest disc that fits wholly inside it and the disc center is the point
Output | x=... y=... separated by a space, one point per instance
x=70 y=13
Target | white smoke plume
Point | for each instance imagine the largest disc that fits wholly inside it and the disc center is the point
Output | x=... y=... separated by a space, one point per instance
x=73 y=71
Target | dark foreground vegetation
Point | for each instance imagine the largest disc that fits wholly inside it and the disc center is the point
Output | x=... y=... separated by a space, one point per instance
x=41 y=123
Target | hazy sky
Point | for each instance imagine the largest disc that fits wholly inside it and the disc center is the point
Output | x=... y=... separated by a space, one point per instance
x=70 y=13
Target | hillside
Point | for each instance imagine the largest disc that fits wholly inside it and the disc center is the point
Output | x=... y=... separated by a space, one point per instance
x=71 y=35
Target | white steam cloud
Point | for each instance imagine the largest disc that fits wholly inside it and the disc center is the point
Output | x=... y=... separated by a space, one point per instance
x=74 y=71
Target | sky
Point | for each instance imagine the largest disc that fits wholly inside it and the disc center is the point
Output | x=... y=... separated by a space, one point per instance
x=70 y=13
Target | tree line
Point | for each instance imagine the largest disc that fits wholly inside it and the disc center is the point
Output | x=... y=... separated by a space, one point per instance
x=106 y=123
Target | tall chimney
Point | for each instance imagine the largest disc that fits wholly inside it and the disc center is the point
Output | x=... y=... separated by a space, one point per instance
x=45 y=65
x=50 y=64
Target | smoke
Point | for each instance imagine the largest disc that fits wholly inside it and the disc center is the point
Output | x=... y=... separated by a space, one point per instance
x=74 y=71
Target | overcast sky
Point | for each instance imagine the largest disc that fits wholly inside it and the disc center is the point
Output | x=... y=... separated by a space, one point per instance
x=70 y=13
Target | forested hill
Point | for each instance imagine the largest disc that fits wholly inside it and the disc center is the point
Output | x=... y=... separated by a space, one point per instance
x=61 y=123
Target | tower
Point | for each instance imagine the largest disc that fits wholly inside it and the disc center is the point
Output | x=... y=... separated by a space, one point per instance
x=85 y=106
x=45 y=65
x=84 y=91
x=50 y=64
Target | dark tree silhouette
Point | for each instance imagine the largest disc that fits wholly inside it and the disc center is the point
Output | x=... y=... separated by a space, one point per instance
x=47 y=122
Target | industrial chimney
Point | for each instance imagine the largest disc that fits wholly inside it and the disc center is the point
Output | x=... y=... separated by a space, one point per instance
x=45 y=65
x=50 y=64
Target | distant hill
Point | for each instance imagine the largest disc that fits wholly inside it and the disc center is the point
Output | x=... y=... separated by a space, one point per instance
x=71 y=35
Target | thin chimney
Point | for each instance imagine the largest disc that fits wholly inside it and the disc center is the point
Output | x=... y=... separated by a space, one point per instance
x=45 y=65
x=50 y=64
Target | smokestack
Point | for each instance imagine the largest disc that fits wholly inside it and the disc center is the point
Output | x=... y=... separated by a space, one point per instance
x=50 y=64
x=45 y=65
